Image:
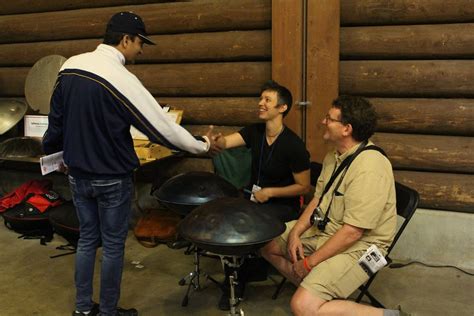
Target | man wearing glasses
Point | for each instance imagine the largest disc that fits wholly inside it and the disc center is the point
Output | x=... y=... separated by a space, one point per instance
x=356 y=210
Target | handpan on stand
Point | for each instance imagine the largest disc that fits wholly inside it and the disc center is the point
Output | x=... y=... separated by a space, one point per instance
x=232 y=228
x=182 y=194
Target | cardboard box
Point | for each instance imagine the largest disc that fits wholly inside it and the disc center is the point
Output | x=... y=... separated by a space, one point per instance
x=175 y=115
x=147 y=150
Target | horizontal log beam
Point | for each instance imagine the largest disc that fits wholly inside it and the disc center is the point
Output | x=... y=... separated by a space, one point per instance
x=215 y=111
x=161 y=18
x=28 y=6
x=428 y=152
x=443 y=191
x=384 y=12
x=236 y=79
x=425 y=116
x=408 y=78
x=202 y=129
x=12 y=81
x=215 y=46
x=408 y=42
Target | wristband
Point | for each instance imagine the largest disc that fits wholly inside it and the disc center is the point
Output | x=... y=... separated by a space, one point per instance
x=306 y=265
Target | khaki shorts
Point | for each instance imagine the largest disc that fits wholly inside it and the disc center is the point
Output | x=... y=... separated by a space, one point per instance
x=337 y=277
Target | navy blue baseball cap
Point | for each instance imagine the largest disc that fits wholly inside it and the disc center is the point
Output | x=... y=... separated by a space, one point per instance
x=129 y=23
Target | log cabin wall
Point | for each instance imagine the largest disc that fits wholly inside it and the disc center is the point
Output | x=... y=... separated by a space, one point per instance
x=210 y=60
x=414 y=60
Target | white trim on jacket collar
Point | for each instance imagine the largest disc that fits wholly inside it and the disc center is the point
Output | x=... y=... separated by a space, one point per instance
x=110 y=50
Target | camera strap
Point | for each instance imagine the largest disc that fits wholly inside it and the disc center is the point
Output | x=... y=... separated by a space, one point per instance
x=345 y=165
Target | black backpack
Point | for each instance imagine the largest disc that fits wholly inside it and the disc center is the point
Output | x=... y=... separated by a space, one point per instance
x=28 y=221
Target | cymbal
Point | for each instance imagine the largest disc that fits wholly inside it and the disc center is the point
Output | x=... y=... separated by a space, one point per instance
x=11 y=112
x=40 y=82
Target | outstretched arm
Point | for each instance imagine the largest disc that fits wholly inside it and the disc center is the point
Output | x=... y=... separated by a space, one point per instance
x=230 y=141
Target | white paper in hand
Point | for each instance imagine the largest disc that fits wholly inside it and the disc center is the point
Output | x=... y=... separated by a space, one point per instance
x=51 y=162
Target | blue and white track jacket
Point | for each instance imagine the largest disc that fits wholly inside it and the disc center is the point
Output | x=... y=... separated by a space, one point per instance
x=94 y=103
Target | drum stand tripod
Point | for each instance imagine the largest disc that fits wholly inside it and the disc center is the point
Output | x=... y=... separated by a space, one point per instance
x=235 y=263
x=193 y=278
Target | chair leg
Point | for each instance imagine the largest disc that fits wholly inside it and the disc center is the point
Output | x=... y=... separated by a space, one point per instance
x=373 y=301
x=364 y=290
x=278 y=289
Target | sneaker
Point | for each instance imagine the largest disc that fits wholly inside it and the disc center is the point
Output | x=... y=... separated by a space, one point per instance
x=122 y=312
x=127 y=312
x=401 y=312
x=94 y=311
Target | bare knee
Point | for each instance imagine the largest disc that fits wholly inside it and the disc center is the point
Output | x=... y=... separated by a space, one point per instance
x=305 y=303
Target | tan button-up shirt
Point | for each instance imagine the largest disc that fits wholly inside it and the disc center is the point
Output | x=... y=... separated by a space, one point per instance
x=365 y=198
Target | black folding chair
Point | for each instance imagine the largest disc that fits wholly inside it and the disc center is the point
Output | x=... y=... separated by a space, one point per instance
x=407 y=202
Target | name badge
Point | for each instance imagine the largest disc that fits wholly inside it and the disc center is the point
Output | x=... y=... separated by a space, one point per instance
x=255 y=188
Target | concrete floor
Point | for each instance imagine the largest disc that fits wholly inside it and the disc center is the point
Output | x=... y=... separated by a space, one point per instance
x=33 y=284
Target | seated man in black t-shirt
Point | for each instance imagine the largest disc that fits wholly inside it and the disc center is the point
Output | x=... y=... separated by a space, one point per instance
x=280 y=161
x=280 y=167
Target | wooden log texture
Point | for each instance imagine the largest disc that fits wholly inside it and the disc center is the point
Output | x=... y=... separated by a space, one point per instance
x=221 y=111
x=408 y=78
x=322 y=70
x=202 y=129
x=236 y=79
x=161 y=18
x=408 y=42
x=444 y=191
x=425 y=116
x=428 y=152
x=215 y=46
x=12 y=81
x=385 y=12
x=28 y=6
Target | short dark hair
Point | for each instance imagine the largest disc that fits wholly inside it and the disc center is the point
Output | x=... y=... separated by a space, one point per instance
x=114 y=38
x=358 y=112
x=284 y=95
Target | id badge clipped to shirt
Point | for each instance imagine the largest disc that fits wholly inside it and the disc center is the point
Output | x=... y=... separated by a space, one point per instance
x=255 y=188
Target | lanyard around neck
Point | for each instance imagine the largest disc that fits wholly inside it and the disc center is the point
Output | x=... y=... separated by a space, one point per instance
x=273 y=145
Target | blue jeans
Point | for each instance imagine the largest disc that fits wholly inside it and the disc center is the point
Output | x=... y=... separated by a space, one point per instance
x=103 y=208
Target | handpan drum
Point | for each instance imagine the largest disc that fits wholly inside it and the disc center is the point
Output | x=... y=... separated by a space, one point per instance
x=21 y=147
x=186 y=191
x=230 y=226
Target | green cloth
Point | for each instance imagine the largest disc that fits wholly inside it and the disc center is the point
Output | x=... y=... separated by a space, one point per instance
x=234 y=165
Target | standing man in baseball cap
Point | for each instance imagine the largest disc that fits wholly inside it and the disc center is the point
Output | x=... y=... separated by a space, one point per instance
x=94 y=103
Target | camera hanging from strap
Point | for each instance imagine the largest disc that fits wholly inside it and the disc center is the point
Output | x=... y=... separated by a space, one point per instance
x=316 y=217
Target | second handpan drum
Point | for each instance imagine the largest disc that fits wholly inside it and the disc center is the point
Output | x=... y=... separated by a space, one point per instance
x=186 y=191
x=230 y=226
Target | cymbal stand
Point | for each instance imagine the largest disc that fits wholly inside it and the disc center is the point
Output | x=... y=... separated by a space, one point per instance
x=194 y=277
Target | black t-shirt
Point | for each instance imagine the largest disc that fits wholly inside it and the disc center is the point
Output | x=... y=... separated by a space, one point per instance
x=274 y=165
